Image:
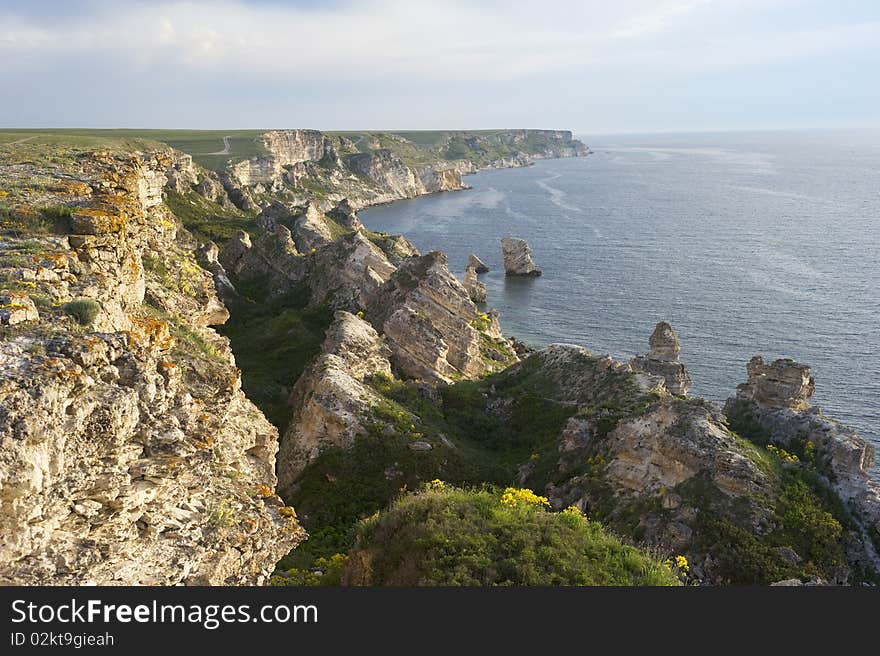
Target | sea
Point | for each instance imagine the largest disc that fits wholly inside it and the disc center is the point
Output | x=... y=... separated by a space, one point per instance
x=748 y=243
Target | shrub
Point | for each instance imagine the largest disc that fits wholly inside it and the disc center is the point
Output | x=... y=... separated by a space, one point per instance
x=450 y=536
x=84 y=310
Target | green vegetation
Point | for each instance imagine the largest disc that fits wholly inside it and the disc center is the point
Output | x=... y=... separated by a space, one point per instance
x=198 y=143
x=456 y=537
x=273 y=342
x=469 y=446
x=84 y=310
x=205 y=219
x=805 y=516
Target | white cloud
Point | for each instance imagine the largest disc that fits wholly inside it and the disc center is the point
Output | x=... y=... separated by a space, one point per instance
x=452 y=40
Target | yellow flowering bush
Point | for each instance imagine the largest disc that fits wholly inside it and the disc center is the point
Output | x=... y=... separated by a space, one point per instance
x=782 y=454
x=678 y=565
x=574 y=510
x=809 y=452
x=515 y=496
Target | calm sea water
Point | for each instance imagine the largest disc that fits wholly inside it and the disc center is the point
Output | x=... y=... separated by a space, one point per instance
x=748 y=243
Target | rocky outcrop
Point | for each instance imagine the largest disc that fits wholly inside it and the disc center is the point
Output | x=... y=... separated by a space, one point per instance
x=345 y=215
x=387 y=171
x=273 y=213
x=475 y=289
x=662 y=359
x=285 y=149
x=518 y=258
x=232 y=255
x=272 y=259
x=330 y=399
x=774 y=401
x=16 y=307
x=294 y=146
x=434 y=330
x=477 y=264
x=211 y=188
x=662 y=468
x=310 y=229
x=208 y=256
x=182 y=174
x=347 y=273
x=672 y=444
x=128 y=452
x=433 y=179
x=783 y=383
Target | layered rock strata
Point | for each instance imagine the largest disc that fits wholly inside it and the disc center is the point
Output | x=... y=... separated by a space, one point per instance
x=662 y=359
x=518 y=258
x=129 y=453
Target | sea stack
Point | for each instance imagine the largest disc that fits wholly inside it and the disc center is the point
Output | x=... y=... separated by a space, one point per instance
x=662 y=359
x=518 y=258
x=475 y=289
x=478 y=265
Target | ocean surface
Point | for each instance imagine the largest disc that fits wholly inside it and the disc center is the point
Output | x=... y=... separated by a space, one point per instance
x=748 y=243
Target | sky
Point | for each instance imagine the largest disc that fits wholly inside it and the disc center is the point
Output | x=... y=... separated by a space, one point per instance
x=591 y=66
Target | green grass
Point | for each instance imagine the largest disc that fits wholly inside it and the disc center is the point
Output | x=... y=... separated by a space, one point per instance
x=123 y=140
x=459 y=537
x=198 y=143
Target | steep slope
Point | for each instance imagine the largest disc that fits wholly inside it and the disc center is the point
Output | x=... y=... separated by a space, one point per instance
x=129 y=453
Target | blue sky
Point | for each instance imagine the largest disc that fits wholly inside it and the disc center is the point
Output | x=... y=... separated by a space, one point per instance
x=592 y=66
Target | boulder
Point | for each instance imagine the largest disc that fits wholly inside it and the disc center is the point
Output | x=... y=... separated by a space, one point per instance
x=477 y=264
x=518 y=258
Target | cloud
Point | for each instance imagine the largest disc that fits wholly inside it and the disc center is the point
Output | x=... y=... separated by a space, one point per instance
x=452 y=40
x=427 y=63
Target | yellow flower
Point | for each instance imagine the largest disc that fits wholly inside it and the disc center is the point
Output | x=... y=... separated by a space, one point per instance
x=574 y=510
x=682 y=563
x=514 y=497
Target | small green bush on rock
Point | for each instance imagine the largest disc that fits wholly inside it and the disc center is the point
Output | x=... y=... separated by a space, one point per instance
x=84 y=310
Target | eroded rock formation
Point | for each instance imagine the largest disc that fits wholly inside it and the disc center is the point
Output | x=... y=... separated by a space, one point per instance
x=434 y=329
x=477 y=264
x=662 y=359
x=129 y=453
x=783 y=383
x=475 y=289
x=774 y=401
x=331 y=400
x=518 y=258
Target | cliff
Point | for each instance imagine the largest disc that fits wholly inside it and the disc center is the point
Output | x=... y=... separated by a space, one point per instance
x=369 y=168
x=130 y=454
x=161 y=324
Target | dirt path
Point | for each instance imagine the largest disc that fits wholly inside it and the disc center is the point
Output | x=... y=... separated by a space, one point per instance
x=12 y=143
x=225 y=150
